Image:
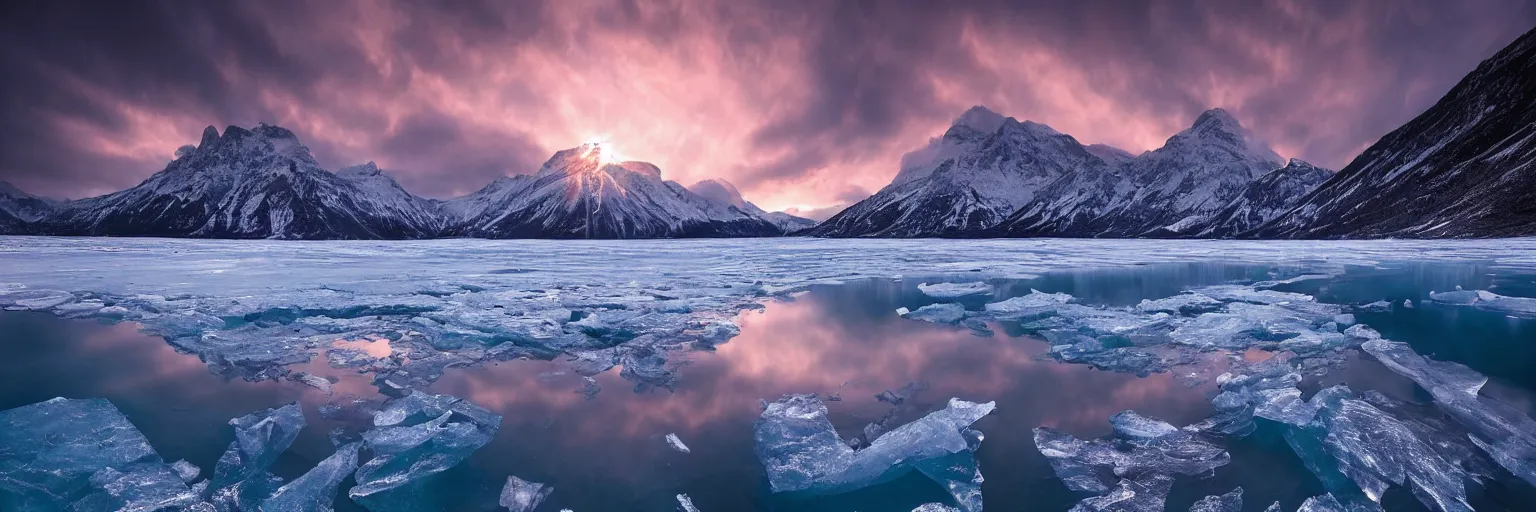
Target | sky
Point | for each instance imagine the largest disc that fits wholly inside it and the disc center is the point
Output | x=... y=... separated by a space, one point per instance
x=803 y=104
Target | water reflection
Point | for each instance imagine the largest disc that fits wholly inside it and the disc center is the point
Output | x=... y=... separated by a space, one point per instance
x=846 y=341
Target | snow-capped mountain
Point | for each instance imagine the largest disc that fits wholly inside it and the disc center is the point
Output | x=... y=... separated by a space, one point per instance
x=1164 y=192
x=19 y=209
x=578 y=194
x=1263 y=199
x=382 y=193
x=982 y=169
x=722 y=191
x=1464 y=168
x=257 y=183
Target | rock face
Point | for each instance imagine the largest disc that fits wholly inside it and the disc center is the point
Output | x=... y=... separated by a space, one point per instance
x=257 y=183
x=1263 y=199
x=983 y=169
x=1463 y=168
x=579 y=194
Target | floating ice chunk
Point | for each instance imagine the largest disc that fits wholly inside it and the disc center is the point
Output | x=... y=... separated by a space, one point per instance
x=1182 y=304
x=945 y=313
x=1506 y=434
x=34 y=299
x=1143 y=451
x=1349 y=438
x=520 y=495
x=140 y=486
x=414 y=439
x=1034 y=304
x=1331 y=503
x=1240 y=293
x=802 y=452
x=677 y=444
x=186 y=470
x=1462 y=297
x=1144 y=493
x=314 y=381
x=1132 y=426
x=945 y=291
x=1378 y=306
x=902 y=311
x=49 y=450
x=315 y=491
x=1267 y=388
x=1229 y=502
x=1224 y=330
x=1483 y=299
x=685 y=504
x=1360 y=331
x=1293 y=280
x=1408 y=303
x=240 y=478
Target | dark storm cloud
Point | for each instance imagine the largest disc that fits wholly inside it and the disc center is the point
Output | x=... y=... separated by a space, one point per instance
x=802 y=103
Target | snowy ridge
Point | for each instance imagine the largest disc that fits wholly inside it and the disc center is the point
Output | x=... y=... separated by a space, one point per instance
x=257 y=183
x=578 y=194
x=1262 y=200
x=1463 y=168
x=723 y=191
x=969 y=180
x=19 y=209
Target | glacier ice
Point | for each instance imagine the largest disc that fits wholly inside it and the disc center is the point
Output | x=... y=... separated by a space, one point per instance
x=1229 y=502
x=315 y=490
x=802 y=453
x=520 y=495
x=677 y=444
x=53 y=449
x=949 y=291
x=241 y=480
x=414 y=439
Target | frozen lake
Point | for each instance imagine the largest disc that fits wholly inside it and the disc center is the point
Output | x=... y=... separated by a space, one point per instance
x=592 y=352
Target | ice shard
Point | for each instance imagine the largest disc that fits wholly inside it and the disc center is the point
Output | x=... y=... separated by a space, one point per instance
x=1229 y=502
x=948 y=291
x=50 y=450
x=240 y=478
x=1132 y=470
x=415 y=438
x=943 y=313
x=802 y=453
x=677 y=444
x=685 y=504
x=137 y=487
x=1505 y=433
x=520 y=495
x=315 y=491
x=1351 y=441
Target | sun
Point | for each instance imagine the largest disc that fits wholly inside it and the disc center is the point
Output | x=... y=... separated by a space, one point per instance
x=604 y=151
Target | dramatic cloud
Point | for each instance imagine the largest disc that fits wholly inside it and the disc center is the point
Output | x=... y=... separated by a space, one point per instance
x=803 y=104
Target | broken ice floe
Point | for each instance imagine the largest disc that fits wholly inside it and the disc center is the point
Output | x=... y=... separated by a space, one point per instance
x=943 y=313
x=316 y=489
x=685 y=504
x=82 y=454
x=1229 y=502
x=677 y=444
x=520 y=495
x=950 y=291
x=1483 y=299
x=241 y=480
x=803 y=454
x=413 y=440
x=1134 y=469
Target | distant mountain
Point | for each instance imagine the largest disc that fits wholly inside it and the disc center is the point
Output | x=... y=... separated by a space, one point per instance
x=382 y=193
x=982 y=169
x=724 y=192
x=578 y=194
x=1464 y=168
x=257 y=183
x=1165 y=192
x=1262 y=200
x=18 y=209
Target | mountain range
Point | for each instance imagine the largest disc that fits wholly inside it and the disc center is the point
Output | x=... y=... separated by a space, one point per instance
x=263 y=183
x=1462 y=168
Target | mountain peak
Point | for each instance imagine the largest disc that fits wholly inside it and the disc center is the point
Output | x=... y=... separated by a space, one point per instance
x=210 y=136
x=9 y=190
x=981 y=119
x=719 y=190
x=367 y=169
x=1217 y=119
x=1030 y=128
